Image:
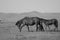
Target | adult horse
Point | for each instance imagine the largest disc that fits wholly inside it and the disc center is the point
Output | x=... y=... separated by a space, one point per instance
x=51 y=22
x=29 y=21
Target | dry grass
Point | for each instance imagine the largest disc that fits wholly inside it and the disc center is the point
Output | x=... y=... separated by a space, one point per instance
x=8 y=31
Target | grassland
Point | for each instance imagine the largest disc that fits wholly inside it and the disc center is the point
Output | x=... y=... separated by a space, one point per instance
x=8 y=31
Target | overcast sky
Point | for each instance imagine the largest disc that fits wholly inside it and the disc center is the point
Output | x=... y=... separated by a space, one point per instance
x=18 y=6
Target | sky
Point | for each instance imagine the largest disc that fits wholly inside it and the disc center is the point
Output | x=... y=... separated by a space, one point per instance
x=18 y=6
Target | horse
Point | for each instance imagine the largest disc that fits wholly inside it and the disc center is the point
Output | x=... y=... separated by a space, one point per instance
x=29 y=21
x=48 y=22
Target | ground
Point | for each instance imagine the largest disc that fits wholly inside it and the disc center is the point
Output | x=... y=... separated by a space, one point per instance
x=9 y=31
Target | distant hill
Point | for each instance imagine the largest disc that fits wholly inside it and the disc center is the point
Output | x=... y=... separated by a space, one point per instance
x=17 y=16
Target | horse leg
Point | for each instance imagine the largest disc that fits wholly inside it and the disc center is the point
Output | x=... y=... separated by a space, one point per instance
x=56 y=27
x=41 y=27
x=28 y=28
x=36 y=27
x=49 y=27
x=21 y=27
x=46 y=28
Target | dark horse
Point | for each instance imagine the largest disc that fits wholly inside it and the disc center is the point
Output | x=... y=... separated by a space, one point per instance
x=51 y=22
x=29 y=21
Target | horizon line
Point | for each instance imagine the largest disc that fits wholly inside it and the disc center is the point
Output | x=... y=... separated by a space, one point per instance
x=27 y=12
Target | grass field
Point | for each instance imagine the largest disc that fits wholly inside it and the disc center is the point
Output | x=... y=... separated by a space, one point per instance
x=8 y=31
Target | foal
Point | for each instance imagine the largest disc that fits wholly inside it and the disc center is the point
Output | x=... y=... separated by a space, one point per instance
x=51 y=22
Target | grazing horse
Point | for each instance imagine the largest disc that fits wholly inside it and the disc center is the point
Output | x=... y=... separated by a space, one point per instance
x=51 y=22
x=29 y=21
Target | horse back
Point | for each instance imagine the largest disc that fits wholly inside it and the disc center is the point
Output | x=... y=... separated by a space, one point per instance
x=27 y=20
